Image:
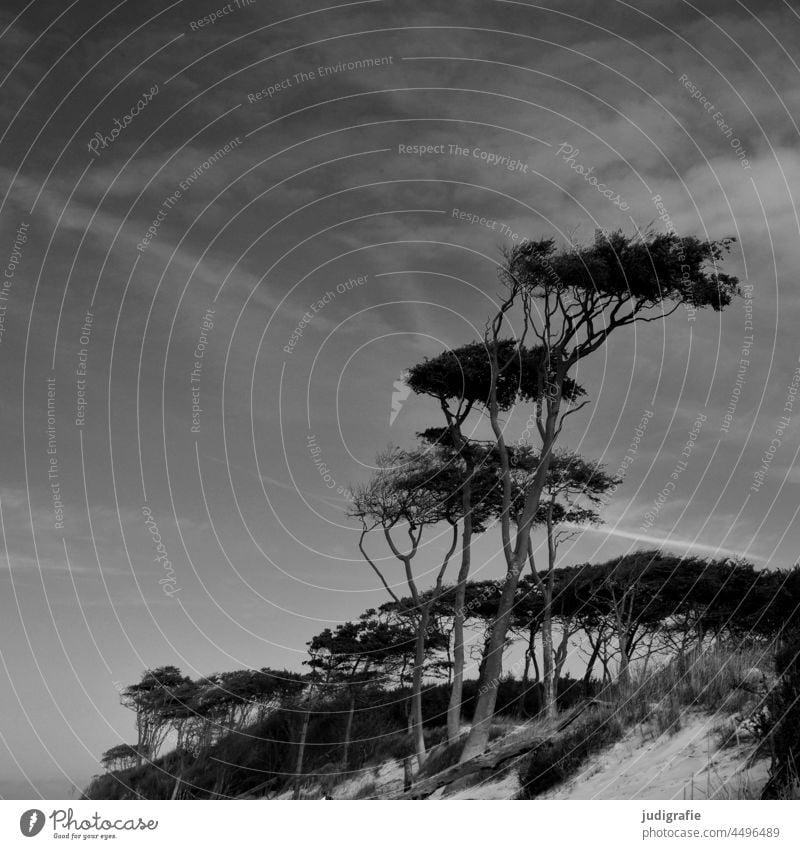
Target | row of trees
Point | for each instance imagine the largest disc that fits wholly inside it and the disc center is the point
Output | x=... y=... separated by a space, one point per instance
x=637 y=609
x=556 y=308
x=432 y=486
x=596 y=619
x=197 y=713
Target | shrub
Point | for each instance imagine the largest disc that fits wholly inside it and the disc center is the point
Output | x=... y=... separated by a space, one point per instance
x=558 y=758
x=367 y=790
x=724 y=734
x=781 y=728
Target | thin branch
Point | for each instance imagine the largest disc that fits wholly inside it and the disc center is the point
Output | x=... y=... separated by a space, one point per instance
x=375 y=568
x=447 y=557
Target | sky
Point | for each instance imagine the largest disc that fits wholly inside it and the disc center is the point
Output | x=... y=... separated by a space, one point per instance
x=226 y=230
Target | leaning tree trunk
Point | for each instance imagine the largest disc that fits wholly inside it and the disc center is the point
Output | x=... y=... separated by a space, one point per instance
x=301 y=750
x=561 y=653
x=348 y=730
x=478 y=738
x=459 y=614
x=592 y=660
x=492 y=669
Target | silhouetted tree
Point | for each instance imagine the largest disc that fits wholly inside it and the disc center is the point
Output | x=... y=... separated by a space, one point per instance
x=570 y=301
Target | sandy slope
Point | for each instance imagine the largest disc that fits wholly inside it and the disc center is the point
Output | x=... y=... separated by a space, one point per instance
x=684 y=765
x=687 y=764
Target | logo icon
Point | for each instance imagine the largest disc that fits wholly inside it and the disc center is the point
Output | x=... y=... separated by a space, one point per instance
x=401 y=391
x=31 y=822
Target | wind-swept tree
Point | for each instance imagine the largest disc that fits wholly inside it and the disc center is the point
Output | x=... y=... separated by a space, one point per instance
x=149 y=700
x=460 y=381
x=635 y=592
x=408 y=494
x=119 y=757
x=356 y=655
x=568 y=302
x=573 y=489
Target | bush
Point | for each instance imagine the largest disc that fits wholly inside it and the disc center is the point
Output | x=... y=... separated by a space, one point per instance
x=781 y=727
x=558 y=758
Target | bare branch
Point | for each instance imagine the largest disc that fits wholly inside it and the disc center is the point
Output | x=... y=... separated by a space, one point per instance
x=375 y=568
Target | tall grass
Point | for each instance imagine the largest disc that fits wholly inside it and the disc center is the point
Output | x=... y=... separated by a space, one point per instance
x=713 y=680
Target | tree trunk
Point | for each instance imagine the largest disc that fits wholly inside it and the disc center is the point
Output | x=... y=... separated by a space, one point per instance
x=592 y=659
x=459 y=615
x=548 y=668
x=493 y=661
x=548 y=654
x=604 y=659
x=624 y=660
x=492 y=669
x=562 y=652
x=416 y=687
x=348 y=729
x=141 y=733
x=301 y=750
x=408 y=775
x=515 y=559
x=527 y=667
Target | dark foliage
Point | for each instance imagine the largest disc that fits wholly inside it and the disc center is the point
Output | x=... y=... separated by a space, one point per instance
x=556 y=759
x=783 y=724
x=464 y=374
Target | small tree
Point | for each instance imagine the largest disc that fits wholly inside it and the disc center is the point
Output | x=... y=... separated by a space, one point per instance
x=120 y=757
x=150 y=699
x=573 y=489
x=406 y=494
x=635 y=595
x=354 y=656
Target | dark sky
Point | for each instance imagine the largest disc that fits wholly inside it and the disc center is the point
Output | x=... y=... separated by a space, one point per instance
x=684 y=112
